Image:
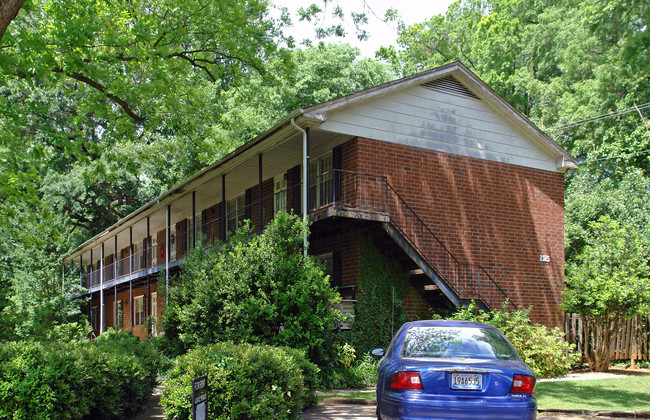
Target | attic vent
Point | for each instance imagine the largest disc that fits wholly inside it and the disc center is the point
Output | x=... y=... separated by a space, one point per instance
x=449 y=84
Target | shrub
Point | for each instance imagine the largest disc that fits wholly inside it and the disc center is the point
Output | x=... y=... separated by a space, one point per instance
x=541 y=348
x=245 y=381
x=108 y=378
x=132 y=375
x=310 y=374
x=255 y=289
x=38 y=383
x=361 y=374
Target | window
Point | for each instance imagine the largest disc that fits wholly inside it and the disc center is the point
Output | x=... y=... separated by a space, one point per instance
x=138 y=304
x=120 y=315
x=327 y=262
x=235 y=212
x=280 y=196
x=321 y=181
x=154 y=313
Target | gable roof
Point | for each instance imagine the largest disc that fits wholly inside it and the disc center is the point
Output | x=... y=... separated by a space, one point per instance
x=469 y=85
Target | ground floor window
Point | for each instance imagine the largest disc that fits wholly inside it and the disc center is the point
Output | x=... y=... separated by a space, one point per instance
x=138 y=305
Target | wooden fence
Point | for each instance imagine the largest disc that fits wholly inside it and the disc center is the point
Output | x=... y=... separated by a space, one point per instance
x=624 y=346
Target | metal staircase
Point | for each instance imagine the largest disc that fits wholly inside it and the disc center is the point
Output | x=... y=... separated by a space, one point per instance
x=459 y=282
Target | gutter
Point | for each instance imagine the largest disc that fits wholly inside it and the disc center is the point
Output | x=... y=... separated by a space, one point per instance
x=305 y=176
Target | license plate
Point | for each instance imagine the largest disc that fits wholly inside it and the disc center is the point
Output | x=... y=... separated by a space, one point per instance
x=467 y=381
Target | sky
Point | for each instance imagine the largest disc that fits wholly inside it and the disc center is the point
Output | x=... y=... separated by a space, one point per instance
x=380 y=33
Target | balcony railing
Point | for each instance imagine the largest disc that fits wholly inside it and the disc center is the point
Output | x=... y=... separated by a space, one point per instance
x=336 y=188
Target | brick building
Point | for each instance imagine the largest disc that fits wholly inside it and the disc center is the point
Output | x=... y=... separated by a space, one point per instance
x=440 y=172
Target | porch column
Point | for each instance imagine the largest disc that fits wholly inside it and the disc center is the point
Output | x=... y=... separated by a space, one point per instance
x=223 y=207
x=148 y=242
x=90 y=277
x=147 y=305
x=167 y=247
x=193 y=219
x=115 y=258
x=131 y=304
x=90 y=312
x=101 y=290
x=131 y=259
x=81 y=269
x=115 y=307
x=260 y=192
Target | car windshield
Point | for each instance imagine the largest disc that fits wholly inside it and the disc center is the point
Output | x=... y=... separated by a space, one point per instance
x=456 y=342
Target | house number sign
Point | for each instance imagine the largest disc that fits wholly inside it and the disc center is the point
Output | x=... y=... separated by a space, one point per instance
x=199 y=397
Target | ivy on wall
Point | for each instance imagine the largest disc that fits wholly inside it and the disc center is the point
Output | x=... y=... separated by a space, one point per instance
x=380 y=309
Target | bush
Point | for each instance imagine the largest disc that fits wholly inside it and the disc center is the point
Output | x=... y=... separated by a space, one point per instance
x=245 y=381
x=541 y=348
x=257 y=288
x=101 y=379
x=131 y=377
x=361 y=374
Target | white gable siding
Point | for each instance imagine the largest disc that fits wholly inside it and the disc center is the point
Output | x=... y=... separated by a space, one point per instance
x=429 y=119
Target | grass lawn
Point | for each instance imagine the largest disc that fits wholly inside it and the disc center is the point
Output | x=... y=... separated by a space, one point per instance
x=629 y=393
x=337 y=393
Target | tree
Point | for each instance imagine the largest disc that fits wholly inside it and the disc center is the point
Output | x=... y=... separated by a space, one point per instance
x=257 y=289
x=8 y=11
x=40 y=304
x=608 y=282
x=606 y=253
x=301 y=78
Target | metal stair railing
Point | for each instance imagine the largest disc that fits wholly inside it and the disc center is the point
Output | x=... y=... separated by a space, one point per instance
x=374 y=192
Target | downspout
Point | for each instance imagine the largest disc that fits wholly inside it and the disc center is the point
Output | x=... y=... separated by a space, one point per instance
x=305 y=173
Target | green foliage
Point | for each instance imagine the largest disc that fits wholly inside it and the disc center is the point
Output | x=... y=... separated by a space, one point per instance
x=245 y=381
x=109 y=378
x=380 y=300
x=360 y=374
x=301 y=78
x=608 y=282
x=38 y=303
x=541 y=348
x=257 y=288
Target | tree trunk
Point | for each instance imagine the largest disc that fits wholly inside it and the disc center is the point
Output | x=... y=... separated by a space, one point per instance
x=8 y=11
x=599 y=333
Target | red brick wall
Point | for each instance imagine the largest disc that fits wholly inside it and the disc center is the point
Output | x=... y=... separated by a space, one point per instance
x=123 y=295
x=498 y=215
x=416 y=305
x=347 y=244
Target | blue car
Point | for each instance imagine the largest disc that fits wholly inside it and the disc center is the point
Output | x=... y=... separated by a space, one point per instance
x=453 y=370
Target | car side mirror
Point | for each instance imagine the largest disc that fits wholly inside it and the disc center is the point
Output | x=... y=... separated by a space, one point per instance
x=377 y=352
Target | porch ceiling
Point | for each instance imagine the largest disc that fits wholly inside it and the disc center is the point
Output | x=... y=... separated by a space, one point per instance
x=282 y=151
